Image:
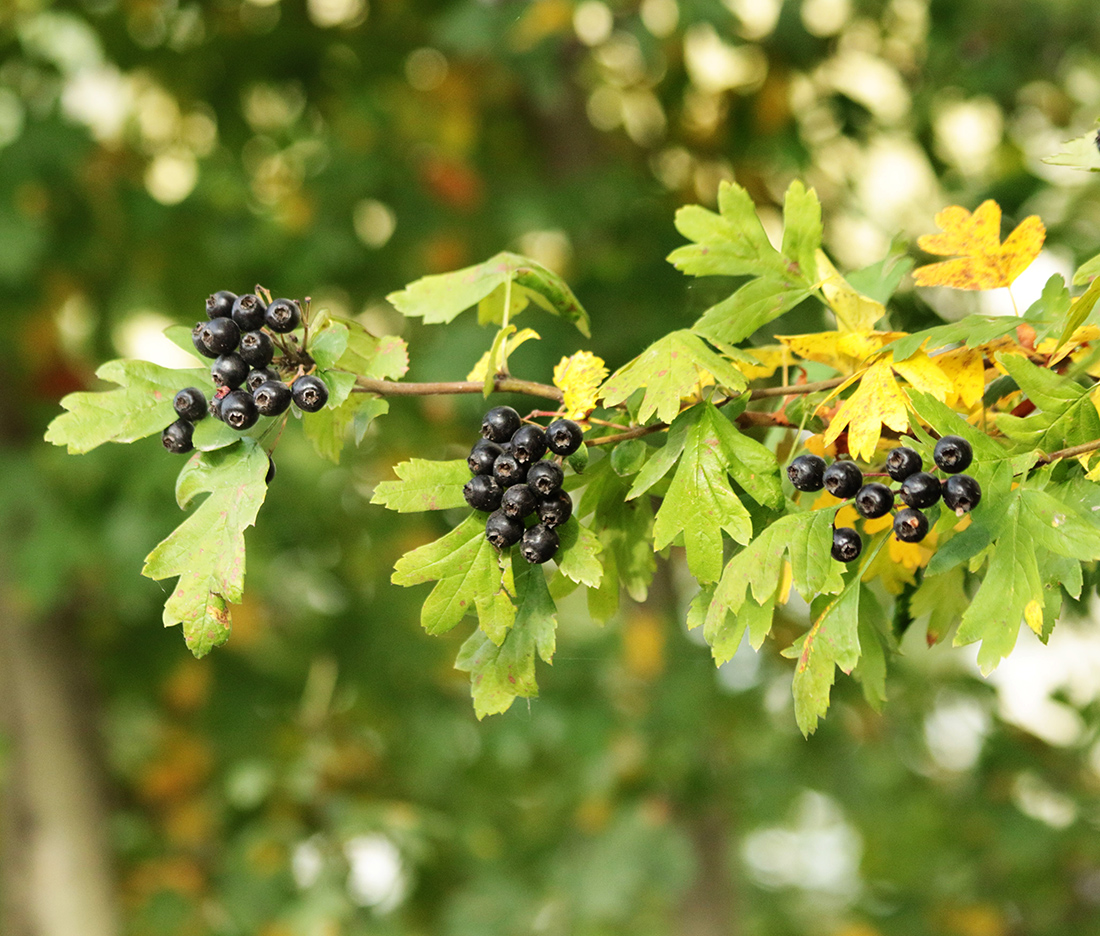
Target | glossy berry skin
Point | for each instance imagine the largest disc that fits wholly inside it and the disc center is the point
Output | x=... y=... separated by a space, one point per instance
x=508 y=471
x=961 y=493
x=874 y=500
x=529 y=444
x=239 y=410
x=310 y=393
x=256 y=349
x=228 y=370
x=953 y=454
x=920 y=490
x=500 y=424
x=902 y=462
x=220 y=304
x=519 y=501
x=283 y=315
x=482 y=456
x=261 y=376
x=221 y=335
x=270 y=476
x=554 y=510
x=190 y=404
x=910 y=526
x=200 y=345
x=545 y=477
x=482 y=492
x=807 y=472
x=177 y=437
x=539 y=544
x=846 y=544
x=563 y=437
x=843 y=479
x=272 y=398
x=248 y=312
x=503 y=531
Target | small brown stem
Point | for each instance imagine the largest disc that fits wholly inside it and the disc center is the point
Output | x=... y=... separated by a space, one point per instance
x=796 y=389
x=1071 y=452
x=448 y=388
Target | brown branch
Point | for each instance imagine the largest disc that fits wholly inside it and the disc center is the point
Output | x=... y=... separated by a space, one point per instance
x=747 y=420
x=796 y=389
x=446 y=388
x=1071 y=452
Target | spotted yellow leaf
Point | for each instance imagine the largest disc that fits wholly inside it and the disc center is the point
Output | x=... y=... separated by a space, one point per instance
x=965 y=370
x=763 y=361
x=845 y=352
x=921 y=372
x=579 y=377
x=877 y=401
x=854 y=312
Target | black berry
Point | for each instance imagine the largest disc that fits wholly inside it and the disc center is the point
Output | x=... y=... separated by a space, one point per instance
x=508 y=471
x=221 y=335
x=501 y=530
x=554 y=510
x=270 y=476
x=482 y=492
x=283 y=315
x=220 y=304
x=256 y=349
x=272 y=397
x=920 y=490
x=519 y=501
x=874 y=500
x=228 y=370
x=248 y=312
x=563 y=437
x=261 y=376
x=528 y=444
x=539 y=544
x=190 y=404
x=910 y=526
x=177 y=437
x=200 y=345
x=902 y=462
x=239 y=410
x=843 y=479
x=806 y=472
x=310 y=393
x=961 y=493
x=545 y=477
x=482 y=456
x=846 y=544
x=499 y=424
x=953 y=454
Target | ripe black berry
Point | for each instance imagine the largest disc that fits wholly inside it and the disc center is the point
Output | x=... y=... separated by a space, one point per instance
x=221 y=335
x=200 y=345
x=508 y=471
x=310 y=393
x=270 y=476
x=190 y=404
x=545 y=477
x=482 y=456
x=272 y=397
x=239 y=410
x=177 y=437
x=220 y=304
x=961 y=493
x=256 y=349
x=228 y=370
x=910 y=526
x=920 y=490
x=499 y=424
x=563 y=437
x=261 y=376
x=501 y=530
x=519 y=501
x=554 y=510
x=529 y=444
x=283 y=315
x=539 y=544
x=874 y=500
x=482 y=492
x=248 y=312
x=806 y=472
x=846 y=544
x=843 y=479
x=953 y=454
x=902 y=462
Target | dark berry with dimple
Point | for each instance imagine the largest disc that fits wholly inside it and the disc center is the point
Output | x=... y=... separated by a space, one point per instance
x=221 y=335
x=555 y=509
x=256 y=349
x=200 y=345
x=248 y=312
x=519 y=501
x=482 y=492
x=190 y=404
x=843 y=479
x=228 y=370
x=260 y=376
x=283 y=315
x=270 y=476
x=500 y=424
x=545 y=477
x=177 y=437
x=539 y=544
x=508 y=471
x=563 y=437
x=529 y=444
x=239 y=410
x=272 y=397
x=910 y=525
x=902 y=462
x=953 y=454
x=961 y=493
x=482 y=456
x=846 y=544
x=874 y=500
x=807 y=472
x=920 y=490
x=220 y=304
x=310 y=393
x=501 y=530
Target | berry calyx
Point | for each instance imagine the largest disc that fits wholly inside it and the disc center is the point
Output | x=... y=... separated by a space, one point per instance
x=508 y=471
x=501 y=530
x=806 y=472
x=910 y=526
x=258 y=377
x=953 y=454
x=554 y=510
x=482 y=492
x=539 y=544
x=272 y=397
x=545 y=477
x=283 y=315
x=843 y=478
x=902 y=462
x=563 y=437
x=529 y=444
x=220 y=304
x=248 y=312
x=846 y=544
x=221 y=335
x=920 y=490
x=200 y=345
x=874 y=500
x=228 y=370
x=310 y=393
x=177 y=437
x=519 y=501
x=239 y=410
x=256 y=349
x=961 y=493
x=482 y=456
x=500 y=424
x=190 y=404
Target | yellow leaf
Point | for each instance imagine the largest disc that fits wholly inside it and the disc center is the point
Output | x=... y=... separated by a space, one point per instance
x=815 y=445
x=1082 y=335
x=1033 y=614
x=912 y=556
x=983 y=262
x=579 y=377
x=765 y=361
x=966 y=372
x=843 y=351
x=514 y=341
x=846 y=517
x=854 y=312
x=786 y=579
x=921 y=372
x=878 y=524
x=877 y=400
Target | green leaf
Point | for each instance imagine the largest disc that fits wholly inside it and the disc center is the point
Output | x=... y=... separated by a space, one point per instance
x=328 y=428
x=210 y=434
x=801 y=229
x=1084 y=275
x=1067 y=415
x=942 y=598
x=327 y=346
x=972 y=331
x=753 y=466
x=661 y=462
x=751 y=307
x=424 y=485
x=871 y=668
x=669 y=369
x=576 y=557
x=1079 y=153
x=1079 y=312
x=724 y=634
x=880 y=281
x=339 y=385
x=627 y=458
x=385 y=358
x=370 y=409
x=1049 y=313
x=207 y=550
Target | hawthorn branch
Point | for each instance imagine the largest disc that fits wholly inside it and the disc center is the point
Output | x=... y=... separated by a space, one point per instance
x=1071 y=452
x=502 y=384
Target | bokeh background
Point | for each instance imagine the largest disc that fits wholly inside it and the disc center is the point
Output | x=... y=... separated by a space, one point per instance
x=323 y=774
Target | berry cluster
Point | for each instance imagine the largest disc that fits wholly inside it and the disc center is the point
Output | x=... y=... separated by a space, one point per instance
x=238 y=336
x=513 y=481
x=919 y=489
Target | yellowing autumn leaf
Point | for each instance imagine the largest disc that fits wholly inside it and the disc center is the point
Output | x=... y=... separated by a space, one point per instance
x=481 y=368
x=762 y=362
x=982 y=261
x=965 y=371
x=845 y=352
x=1033 y=614
x=579 y=377
x=854 y=312
x=878 y=400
